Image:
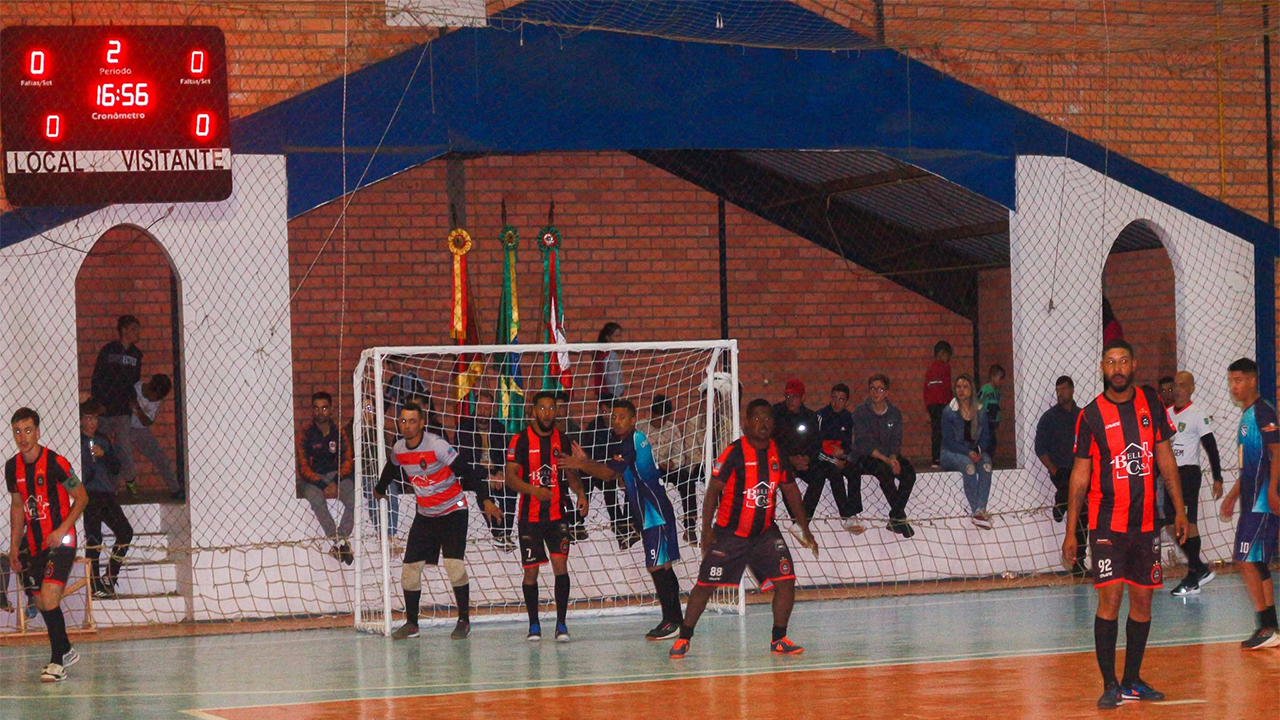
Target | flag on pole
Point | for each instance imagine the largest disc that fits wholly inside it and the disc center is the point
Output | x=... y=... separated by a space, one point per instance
x=510 y=383
x=556 y=370
x=467 y=368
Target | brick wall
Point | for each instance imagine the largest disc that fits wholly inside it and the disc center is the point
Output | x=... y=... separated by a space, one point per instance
x=1137 y=76
x=127 y=273
x=1140 y=287
x=995 y=345
x=640 y=247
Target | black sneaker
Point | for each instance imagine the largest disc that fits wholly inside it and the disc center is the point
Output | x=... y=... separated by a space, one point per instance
x=664 y=631
x=344 y=553
x=461 y=631
x=1111 y=697
x=1139 y=690
x=103 y=590
x=906 y=530
x=1261 y=638
x=1188 y=586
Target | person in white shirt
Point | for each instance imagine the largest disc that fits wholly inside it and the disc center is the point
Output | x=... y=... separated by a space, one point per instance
x=144 y=406
x=675 y=451
x=1192 y=427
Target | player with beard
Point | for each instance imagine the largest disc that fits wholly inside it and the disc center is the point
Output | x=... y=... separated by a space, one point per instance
x=1120 y=438
x=536 y=470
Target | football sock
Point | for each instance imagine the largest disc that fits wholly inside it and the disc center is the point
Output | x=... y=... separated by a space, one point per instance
x=779 y=632
x=531 y=602
x=462 y=593
x=1135 y=636
x=412 y=598
x=562 y=597
x=56 y=624
x=1104 y=646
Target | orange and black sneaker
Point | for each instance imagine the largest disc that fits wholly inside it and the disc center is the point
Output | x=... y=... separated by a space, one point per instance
x=679 y=649
x=785 y=647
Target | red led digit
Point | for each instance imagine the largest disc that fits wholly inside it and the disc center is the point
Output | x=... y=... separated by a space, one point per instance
x=37 y=62
x=203 y=125
x=197 y=62
x=53 y=127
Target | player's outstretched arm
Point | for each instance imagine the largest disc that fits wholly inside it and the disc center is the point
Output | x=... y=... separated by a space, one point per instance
x=710 y=504
x=17 y=526
x=79 y=500
x=575 y=484
x=1078 y=490
x=1173 y=486
x=579 y=460
x=390 y=473
x=795 y=503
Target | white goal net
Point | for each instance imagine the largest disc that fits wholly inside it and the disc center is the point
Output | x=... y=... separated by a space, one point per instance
x=687 y=397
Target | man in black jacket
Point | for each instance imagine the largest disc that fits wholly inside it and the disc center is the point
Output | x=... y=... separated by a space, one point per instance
x=1055 y=448
x=835 y=434
x=116 y=371
x=877 y=432
x=795 y=430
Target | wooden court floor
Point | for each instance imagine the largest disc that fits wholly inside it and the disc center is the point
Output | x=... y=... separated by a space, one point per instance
x=1005 y=654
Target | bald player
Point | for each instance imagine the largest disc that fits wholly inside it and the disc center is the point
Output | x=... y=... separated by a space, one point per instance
x=1193 y=429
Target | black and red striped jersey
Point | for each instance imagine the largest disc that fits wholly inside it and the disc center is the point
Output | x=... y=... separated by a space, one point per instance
x=751 y=479
x=44 y=488
x=539 y=459
x=1120 y=439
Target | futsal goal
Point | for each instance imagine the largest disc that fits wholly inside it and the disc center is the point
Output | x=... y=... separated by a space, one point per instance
x=687 y=397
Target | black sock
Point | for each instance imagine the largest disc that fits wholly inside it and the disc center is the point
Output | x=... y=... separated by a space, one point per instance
x=1135 y=638
x=56 y=624
x=531 y=602
x=1192 y=548
x=779 y=632
x=412 y=598
x=668 y=590
x=562 y=597
x=113 y=566
x=462 y=593
x=686 y=632
x=1267 y=618
x=1104 y=646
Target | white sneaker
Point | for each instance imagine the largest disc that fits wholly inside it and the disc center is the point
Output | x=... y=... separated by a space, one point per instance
x=1201 y=582
x=70 y=657
x=53 y=672
x=853 y=526
x=1274 y=641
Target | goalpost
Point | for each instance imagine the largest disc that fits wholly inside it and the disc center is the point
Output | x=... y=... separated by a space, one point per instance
x=477 y=395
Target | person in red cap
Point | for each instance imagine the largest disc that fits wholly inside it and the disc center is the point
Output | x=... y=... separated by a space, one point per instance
x=795 y=430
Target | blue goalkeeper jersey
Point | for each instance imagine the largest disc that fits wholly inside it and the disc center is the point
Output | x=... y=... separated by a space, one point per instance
x=1258 y=429
x=633 y=457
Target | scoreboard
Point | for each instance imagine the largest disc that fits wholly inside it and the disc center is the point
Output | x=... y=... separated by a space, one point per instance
x=100 y=115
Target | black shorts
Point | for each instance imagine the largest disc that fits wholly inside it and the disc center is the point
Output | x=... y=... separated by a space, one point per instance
x=428 y=536
x=540 y=538
x=1132 y=557
x=766 y=554
x=1190 y=478
x=47 y=566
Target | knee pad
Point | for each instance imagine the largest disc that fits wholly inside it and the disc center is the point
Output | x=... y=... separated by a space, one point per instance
x=1264 y=572
x=411 y=576
x=457 y=572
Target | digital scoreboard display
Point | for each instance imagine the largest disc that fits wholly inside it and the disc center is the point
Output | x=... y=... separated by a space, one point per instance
x=100 y=115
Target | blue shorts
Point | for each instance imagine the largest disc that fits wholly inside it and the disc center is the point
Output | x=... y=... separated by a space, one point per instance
x=1256 y=537
x=660 y=545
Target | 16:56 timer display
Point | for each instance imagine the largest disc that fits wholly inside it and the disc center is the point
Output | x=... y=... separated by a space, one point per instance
x=93 y=115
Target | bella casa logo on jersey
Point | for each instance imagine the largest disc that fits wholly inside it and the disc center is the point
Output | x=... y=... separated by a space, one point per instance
x=757 y=496
x=1135 y=460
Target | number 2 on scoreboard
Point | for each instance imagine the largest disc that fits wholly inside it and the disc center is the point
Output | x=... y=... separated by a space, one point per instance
x=113 y=52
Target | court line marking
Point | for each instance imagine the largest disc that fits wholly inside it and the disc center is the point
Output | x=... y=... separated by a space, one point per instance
x=512 y=685
x=551 y=683
x=1159 y=702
